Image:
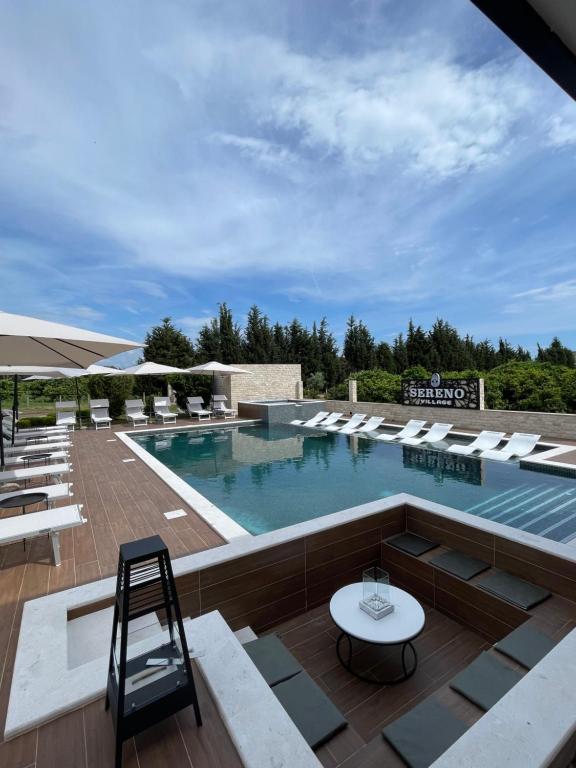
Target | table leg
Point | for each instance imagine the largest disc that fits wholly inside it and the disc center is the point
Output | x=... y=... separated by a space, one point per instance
x=347 y=663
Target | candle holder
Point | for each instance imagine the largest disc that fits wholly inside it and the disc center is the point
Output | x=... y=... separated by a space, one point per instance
x=376 y=593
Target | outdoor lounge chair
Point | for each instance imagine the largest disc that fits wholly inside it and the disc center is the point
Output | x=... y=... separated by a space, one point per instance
x=353 y=422
x=483 y=442
x=47 y=521
x=195 y=407
x=22 y=450
x=435 y=434
x=54 y=492
x=135 y=412
x=411 y=429
x=219 y=408
x=371 y=425
x=311 y=422
x=20 y=460
x=99 y=415
x=66 y=414
x=520 y=444
x=162 y=410
x=329 y=420
x=25 y=439
x=50 y=470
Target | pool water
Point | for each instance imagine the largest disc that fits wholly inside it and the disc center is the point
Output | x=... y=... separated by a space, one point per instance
x=270 y=476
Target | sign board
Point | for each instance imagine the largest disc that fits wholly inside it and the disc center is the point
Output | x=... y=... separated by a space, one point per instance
x=447 y=393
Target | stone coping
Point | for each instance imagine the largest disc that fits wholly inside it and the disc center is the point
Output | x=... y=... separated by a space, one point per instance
x=43 y=687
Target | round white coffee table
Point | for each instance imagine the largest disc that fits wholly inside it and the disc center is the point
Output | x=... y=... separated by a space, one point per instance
x=397 y=628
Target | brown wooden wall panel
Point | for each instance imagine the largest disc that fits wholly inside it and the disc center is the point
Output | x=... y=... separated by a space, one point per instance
x=343 y=564
x=266 y=594
x=331 y=552
x=543 y=560
x=321 y=592
x=434 y=529
x=189 y=582
x=250 y=581
x=241 y=565
x=479 y=599
x=392 y=556
x=272 y=614
x=405 y=579
x=342 y=532
x=451 y=526
x=468 y=614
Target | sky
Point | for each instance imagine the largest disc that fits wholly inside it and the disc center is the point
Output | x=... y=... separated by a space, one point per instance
x=393 y=160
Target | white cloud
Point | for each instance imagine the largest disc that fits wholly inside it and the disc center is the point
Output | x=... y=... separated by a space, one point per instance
x=149 y=288
x=269 y=155
x=87 y=313
x=561 y=128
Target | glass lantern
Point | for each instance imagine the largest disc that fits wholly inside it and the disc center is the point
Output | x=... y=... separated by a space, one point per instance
x=376 y=587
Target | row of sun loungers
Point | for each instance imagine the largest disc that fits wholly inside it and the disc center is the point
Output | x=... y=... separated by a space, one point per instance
x=52 y=520
x=484 y=445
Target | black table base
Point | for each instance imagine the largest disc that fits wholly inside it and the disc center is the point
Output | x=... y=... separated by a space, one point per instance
x=407 y=671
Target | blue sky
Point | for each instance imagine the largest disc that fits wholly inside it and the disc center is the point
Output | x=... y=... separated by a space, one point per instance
x=386 y=159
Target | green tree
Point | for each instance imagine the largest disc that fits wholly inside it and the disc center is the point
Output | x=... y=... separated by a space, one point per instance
x=330 y=364
x=258 y=340
x=359 y=346
x=167 y=345
x=556 y=353
x=116 y=389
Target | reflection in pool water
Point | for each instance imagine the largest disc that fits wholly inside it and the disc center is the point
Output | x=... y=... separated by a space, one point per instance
x=270 y=476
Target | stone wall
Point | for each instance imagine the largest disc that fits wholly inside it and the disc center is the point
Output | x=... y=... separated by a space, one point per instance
x=267 y=382
x=549 y=425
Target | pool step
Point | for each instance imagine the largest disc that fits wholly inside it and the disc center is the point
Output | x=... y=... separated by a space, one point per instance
x=543 y=510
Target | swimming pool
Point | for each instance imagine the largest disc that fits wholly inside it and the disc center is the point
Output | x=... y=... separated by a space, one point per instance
x=268 y=476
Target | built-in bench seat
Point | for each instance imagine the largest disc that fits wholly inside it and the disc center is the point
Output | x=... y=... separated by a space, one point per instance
x=315 y=716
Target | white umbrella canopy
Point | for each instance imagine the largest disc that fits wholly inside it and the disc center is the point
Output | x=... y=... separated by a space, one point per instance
x=148 y=369
x=27 y=341
x=215 y=367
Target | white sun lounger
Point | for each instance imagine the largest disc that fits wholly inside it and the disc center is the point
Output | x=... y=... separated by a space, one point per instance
x=54 y=492
x=49 y=433
x=436 y=433
x=162 y=410
x=371 y=425
x=47 y=521
x=329 y=420
x=195 y=407
x=409 y=430
x=99 y=415
x=520 y=444
x=483 y=442
x=22 y=450
x=219 y=408
x=311 y=422
x=354 y=421
x=24 y=439
x=66 y=414
x=50 y=470
x=135 y=412
x=19 y=459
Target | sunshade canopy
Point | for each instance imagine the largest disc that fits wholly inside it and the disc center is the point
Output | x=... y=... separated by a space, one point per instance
x=214 y=367
x=148 y=369
x=40 y=372
x=29 y=341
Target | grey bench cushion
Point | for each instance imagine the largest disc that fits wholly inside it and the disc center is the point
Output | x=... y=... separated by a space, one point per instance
x=485 y=681
x=423 y=734
x=525 y=645
x=459 y=564
x=514 y=590
x=273 y=660
x=412 y=544
x=315 y=716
